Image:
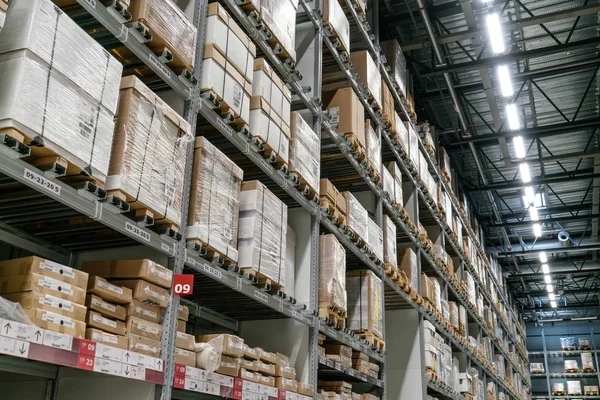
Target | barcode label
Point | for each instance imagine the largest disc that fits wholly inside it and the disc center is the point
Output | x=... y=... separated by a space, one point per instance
x=261 y=296
x=237 y=95
x=156 y=62
x=334 y=115
x=212 y=271
x=41 y=181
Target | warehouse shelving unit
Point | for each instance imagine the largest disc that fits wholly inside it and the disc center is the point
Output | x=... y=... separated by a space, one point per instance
x=94 y=203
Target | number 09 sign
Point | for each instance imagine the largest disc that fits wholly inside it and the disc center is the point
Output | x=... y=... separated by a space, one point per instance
x=183 y=284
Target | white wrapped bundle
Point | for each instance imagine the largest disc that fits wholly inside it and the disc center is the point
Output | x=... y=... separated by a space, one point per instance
x=365 y=302
x=587 y=361
x=305 y=151
x=358 y=216
x=375 y=239
x=571 y=366
x=390 y=253
x=574 y=388
x=332 y=273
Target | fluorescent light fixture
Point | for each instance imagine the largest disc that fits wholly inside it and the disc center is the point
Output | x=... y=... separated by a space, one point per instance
x=548 y=279
x=545 y=269
x=529 y=197
x=495 y=33
x=551 y=296
x=550 y=288
x=552 y=320
x=537 y=230
x=512 y=115
x=525 y=173
x=543 y=257
x=533 y=213
x=505 y=81
x=553 y=304
x=519 y=147
x=583 y=318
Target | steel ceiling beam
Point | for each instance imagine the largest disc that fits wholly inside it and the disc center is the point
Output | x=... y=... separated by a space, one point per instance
x=550 y=248
x=563 y=177
x=543 y=220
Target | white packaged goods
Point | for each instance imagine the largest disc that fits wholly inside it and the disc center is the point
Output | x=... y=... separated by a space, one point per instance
x=149 y=149
x=170 y=28
x=453 y=314
x=585 y=343
x=2 y=18
x=397 y=63
x=429 y=333
x=335 y=20
x=413 y=144
x=267 y=126
x=305 y=151
x=373 y=147
x=567 y=343
x=375 y=239
x=397 y=182
x=431 y=357
x=332 y=273
x=465 y=383
x=388 y=184
x=437 y=294
x=445 y=310
x=230 y=40
x=571 y=366
x=58 y=86
x=357 y=216
x=462 y=316
x=390 y=254
x=407 y=262
x=369 y=77
x=230 y=86
x=262 y=230
x=470 y=287
x=365 y=302
x=574 y=387
x=401 y=134
x=587 y=361
x=290 y=262
x=214 y=199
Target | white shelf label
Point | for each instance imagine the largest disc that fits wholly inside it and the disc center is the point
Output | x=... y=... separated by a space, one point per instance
x=226 y=129
x=156 y=62
x=261 y=296
x=108 y=367
x=58 y=340
x=297 y=315
x=214 y=272
x=108 y=352
x=42 y=181
x=165 y=247
x=137 y=231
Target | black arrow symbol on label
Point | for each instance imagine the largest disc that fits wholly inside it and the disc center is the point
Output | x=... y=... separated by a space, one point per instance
x=159 y=363
x=127 y=356
x=37 y=335
x=22 y=349
x=7 y=327
x=126 y=370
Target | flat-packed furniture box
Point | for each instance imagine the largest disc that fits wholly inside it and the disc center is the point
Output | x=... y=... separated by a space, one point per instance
x=40 y=283
x=55 y=322
x=185 y=357
x=227 y=344
x=214 y=200
x=305 y=152
x=145 y=311
x=262 y=231
x=48 y=302
x=390 y=252
x=146 y=292
x=373 y=147
x=365 y=302
x=25 y=265
x=185 y=341
x=59 y=88
x=357 y=218
x=407 y=262
x=108 y=291
x=369 y=77
x=375 y=239
x=332 y=275
x=144 y=269
x=148 y=154
x=347 y=112
x=267 y=85
x=397 y=63
x=336 y=24
x=97 y=321
x=141 y=327
x=143 y=345
x=106 y=338
x=170 y=29
x=333 y=199
x=104 y=308
x=427 y=290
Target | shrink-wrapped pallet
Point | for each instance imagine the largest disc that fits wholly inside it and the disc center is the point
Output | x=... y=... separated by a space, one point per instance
x=375 y=239
x=373 y=148
x=332 y=273
x=445 y=309
x=413 y=144
x=468 y=279
x=396 y=174
x=558 y=388
x=587 y=362
x=358 y=216
x=437 y=294
x=169 y=27
x=571 y=366
x=590 y=390
x=427 y=290
x=305 y=151
x=390 y=254
x=214 y=200
x=336 y=23
x=262 y=231
x=148 y=156
x=585 y=343
x=567 y=343
x=58 y=87
x=397 y=63
x=407 y=262
x=462 y=317
x=365 y=302
x=369 y=77
x=574 y=388
x=453 y=314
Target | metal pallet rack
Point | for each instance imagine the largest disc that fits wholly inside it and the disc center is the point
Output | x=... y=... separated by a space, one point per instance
x=93 y=202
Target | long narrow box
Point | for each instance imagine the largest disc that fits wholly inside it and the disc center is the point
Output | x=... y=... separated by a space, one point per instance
x=37 y=283
x=47 y=302
x=55 y=322
x=332 y=274
x=144 y=269
x=365 y=302
x=305 y=152
x=368 y=74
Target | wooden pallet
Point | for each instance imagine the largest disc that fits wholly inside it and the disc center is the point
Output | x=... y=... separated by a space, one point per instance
x=591 y=393
x=225 y=111
x=571 y=370
x=141 y=211
x=569 y=349
x=262 y=280
x=589 y=369
x=371 y=338
x=430 y=373
x=356 y=147
x=334 y=213
x=392 y=272
x=335 y=314
x=307 y=190
x=210 y=253
x=585 y=347
x=329 y=30
x=467 y=395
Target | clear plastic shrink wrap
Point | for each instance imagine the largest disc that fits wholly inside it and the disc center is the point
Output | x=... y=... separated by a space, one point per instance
x=365 y=302
x=305 y=152
x=280 y=17
x=148 y=155
x=587 y=362
x=58 y=85
x=262 y=231
x=375 y=239
x=368 y=74
x=390 y=253
x=357 y=216
x=397 y=63
x=335 y=19
x=214 y=199
x=567 y=343
x=170 y=28
x=394 y=170
x=585 y=343
x=373 y=147
x=332 y=273
x=571 y=365
x=574 y=388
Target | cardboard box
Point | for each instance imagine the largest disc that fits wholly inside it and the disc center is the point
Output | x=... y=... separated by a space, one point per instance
x=105 y=308
x=251 y=353
x=335 y=20
x=108 y=291
x=332 y=274
x=365 y=302
x=185 y=341
x=41 y=266
x=95 y=320
x=407 y=262
x=48 y=303
x=285 y=371
x=305 y=151
x=185 y=357
x=248 y=375
x=368 y=73
x=279 y=18
x=229 y=366
x=346 y=110
x=141 y=327
x=184 y=313
x=264 y=368
x=390 y=251
x=358 y=216
x=145 y=311
x=265 y=380
x=267 y=356
x=144 y=269
x=181 y=325
x=268 y=86
x=397 y=63
x=282 y=359
x=286 y=384
x=247 y=364
x=338 y=349
x=146 y=292
x=305 y=389
x=375 y=239
x=55 y=322
x=327 y=189
x=143 y=345
x=268 y=126
x=229 y=345
x=33 y=282
x=214 y=200
x=106 y=338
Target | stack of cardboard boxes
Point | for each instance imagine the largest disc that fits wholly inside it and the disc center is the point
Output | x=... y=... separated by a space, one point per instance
x=339 y=353
x=369 y=78
x=333 y=200
x=53 y=295
x=332 y=278
x=305 y=160
x=361 y=363
x=347 y=116
x=358 y=217
x=365 y=303
x=185 y=344
x=407 y=262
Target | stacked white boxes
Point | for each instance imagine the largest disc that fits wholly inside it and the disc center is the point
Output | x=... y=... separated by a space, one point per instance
x=429 y=341
x=305 y=152
x=465 y=383
x=358 y=216
x=365 y=302
x=574 y=388
x=262 y=231
x=390 y=253
x=396 y=183
x=397 y=63
x=227 y=69
x=58 y=86
x=373 y=147
x=375 y=239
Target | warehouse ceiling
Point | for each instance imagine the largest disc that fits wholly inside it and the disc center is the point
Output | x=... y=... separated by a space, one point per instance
x=551 y=53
